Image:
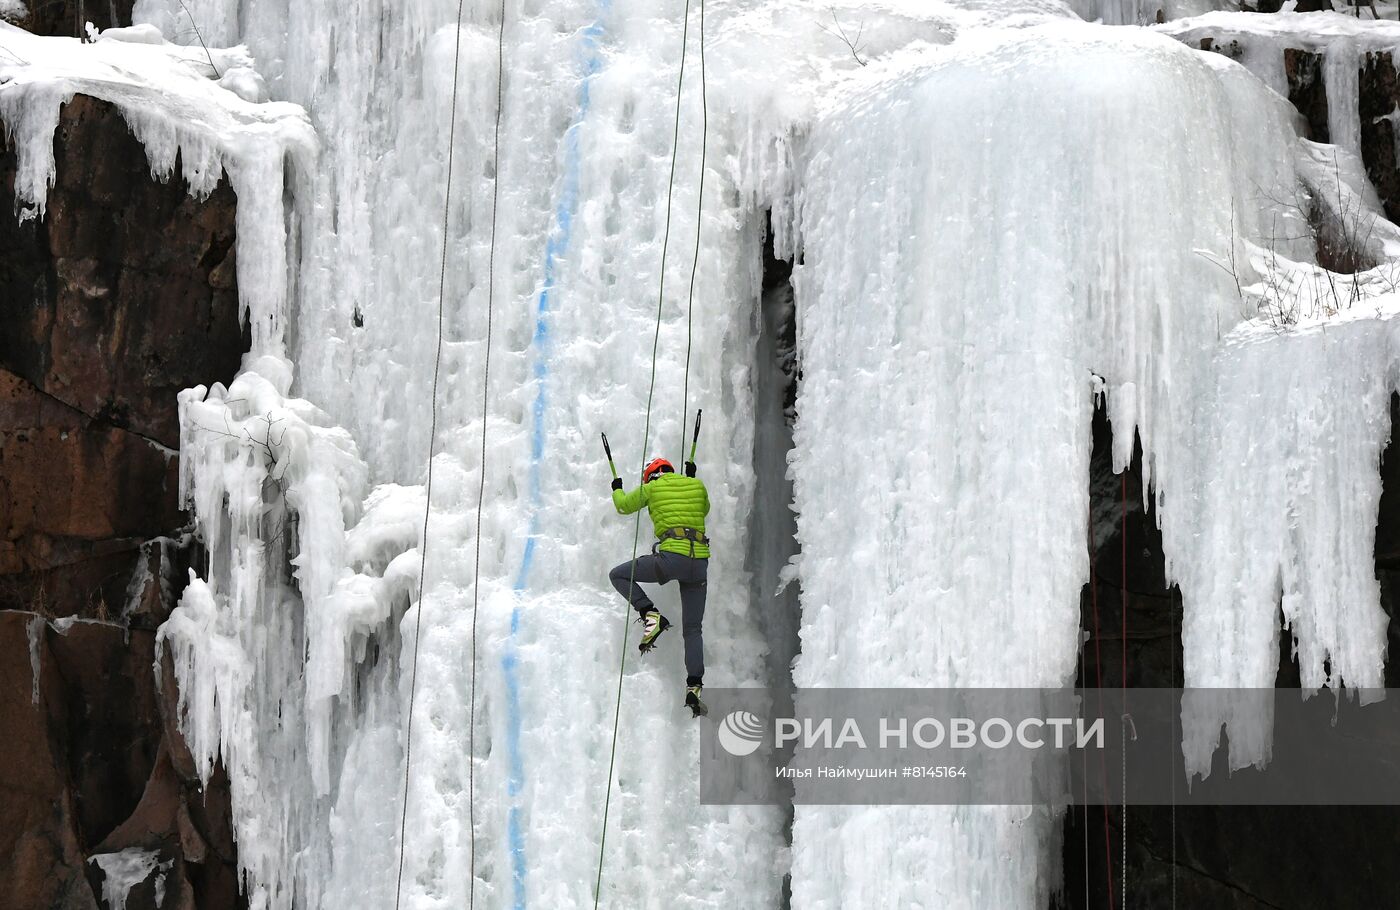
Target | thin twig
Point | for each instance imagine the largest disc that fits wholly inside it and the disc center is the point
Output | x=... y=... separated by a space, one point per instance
x=840 y=34
x=217 y=74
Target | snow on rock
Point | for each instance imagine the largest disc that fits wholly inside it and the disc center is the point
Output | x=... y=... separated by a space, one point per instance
x=134 y=34
x=1314 y=31
x=1353 y=235
x=169 y=99
x=1146 y=12
x=125 y=870
x=1336 y=182
x=13 y=10
x=1343 y=40
x=245 y=82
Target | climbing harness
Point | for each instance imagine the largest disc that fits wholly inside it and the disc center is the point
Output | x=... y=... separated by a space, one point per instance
x=689 y=534
x=651 y=391
x=432 y=443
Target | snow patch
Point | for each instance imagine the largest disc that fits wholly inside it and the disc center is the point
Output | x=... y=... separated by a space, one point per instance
x=128 y=868
x=133 y=34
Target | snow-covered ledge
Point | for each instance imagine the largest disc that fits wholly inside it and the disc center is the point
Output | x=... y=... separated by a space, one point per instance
x=205 y=110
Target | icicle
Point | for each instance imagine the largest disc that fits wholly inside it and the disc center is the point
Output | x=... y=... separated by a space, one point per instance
x=1342 y=75
x=35 y=629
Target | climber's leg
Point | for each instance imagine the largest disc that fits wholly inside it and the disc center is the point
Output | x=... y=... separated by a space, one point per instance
x=692 y=581
x=648 y=570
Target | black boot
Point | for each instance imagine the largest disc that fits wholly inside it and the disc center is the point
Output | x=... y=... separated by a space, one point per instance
x=693 y=702
x=653 y=624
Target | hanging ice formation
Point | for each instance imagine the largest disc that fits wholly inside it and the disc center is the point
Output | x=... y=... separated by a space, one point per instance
x=999 y=211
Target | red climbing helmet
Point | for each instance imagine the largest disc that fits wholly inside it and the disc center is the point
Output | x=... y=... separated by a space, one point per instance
x=658 y=466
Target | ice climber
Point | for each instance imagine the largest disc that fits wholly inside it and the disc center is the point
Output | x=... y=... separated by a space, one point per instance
x=678 y=506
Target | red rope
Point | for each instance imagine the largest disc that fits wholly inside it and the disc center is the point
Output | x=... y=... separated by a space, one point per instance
x=1123 y=587
x=1098 y=674
x=1123 y=592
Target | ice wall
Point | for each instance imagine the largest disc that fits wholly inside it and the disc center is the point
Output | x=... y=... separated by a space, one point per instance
x=990 y=232
x=959 y=305
x=583 y=172
x=1289 y=534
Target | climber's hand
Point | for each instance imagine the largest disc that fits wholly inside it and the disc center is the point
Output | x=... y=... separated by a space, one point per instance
x=617 y=483
x=690 y=469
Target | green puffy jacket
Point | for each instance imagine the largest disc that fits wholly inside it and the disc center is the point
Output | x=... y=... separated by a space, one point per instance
x=675 y=501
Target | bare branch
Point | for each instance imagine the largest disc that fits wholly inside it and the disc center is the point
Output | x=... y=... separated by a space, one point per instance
x=217 y=74
x=840 y=34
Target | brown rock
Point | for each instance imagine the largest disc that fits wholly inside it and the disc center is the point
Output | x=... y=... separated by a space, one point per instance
x=41 y=854
x=77 y=498
x=1306 y=90
x=88 y=769
x=1378 y=102
x=120 y=297
x=68 y=17
x=114 y=731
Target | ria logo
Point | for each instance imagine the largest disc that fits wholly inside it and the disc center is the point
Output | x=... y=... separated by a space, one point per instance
x=741 y=733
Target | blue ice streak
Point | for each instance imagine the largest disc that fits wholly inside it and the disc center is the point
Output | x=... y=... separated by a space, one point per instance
x=559 y=238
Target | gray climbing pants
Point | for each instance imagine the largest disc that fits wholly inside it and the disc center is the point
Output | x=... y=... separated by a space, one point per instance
x=658 y=569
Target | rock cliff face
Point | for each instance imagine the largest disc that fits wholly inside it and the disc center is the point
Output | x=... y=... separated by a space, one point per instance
x=1236 y=857
x=1378 y=97
x=120 y=296
x=94 y=766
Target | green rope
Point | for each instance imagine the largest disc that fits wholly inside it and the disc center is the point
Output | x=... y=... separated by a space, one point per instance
x=646 y=440
x=481 y=484
x=699 y=213
x=432 y=444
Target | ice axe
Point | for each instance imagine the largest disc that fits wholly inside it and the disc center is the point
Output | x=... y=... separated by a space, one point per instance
x=695 y=441
x=608 y=449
